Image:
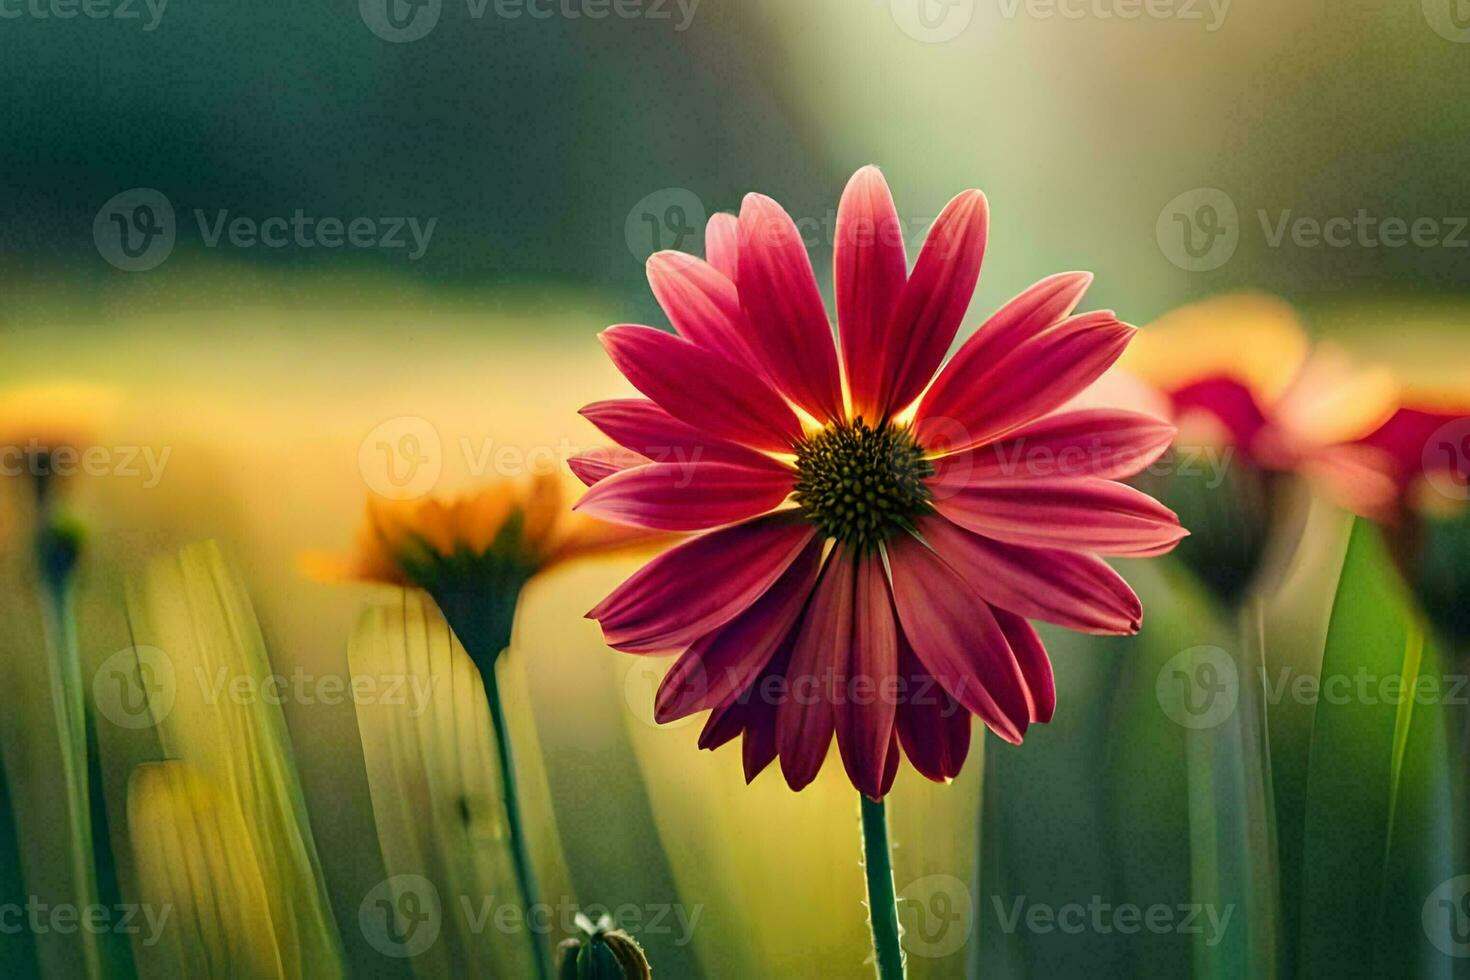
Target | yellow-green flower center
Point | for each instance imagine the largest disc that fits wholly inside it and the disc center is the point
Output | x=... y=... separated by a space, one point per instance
x=862 y=485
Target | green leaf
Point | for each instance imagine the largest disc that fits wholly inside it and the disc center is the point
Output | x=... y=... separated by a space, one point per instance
x=434 y=780
x=192 y=613
x=1377 y=836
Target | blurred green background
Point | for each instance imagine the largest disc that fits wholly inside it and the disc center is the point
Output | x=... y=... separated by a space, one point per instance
x=552 y=156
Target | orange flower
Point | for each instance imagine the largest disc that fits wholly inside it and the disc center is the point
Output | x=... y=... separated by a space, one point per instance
x=522 y=528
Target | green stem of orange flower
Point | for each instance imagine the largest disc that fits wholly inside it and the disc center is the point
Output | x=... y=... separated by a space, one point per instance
x=520 y=852
x=882 y=904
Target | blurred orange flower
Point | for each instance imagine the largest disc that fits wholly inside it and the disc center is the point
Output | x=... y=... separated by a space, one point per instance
x=522 y=527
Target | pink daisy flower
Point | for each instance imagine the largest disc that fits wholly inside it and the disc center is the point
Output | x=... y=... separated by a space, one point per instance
x=874 y=538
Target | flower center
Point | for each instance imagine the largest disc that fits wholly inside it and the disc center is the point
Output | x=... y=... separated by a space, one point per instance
x=862 y=485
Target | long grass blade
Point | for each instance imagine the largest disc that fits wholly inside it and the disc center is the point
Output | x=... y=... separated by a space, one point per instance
x=194 y=609
x=204 y=909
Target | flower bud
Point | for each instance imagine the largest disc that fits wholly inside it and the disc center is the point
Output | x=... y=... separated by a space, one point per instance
x=602 y=953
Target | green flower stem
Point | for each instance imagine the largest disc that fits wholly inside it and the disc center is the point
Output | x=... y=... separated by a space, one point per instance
x=520 y=852
x=68 y=703
x=882 y=905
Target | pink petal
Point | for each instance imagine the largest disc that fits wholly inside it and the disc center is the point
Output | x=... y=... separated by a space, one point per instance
x=1104 y=443
x=676 y=598
x=702 y=304
x=724 y=664
x=1041 y=688
x=957 y=638
x=723 y=724
x=890 y=766
x=1227 y=400
x=1070 y=515
x=972 y=404
x=596 y=465
x=1038 y=309
x=722 y=245
x=933 y=727
x=870 y=268
x=789 y=332
x=759 y=747
x=935 y=299
x=1071 y=589
x=702 y=389
x=754 y=713
x=867 y=702
x=806 y=717
x=641 y=426
x=687 y=496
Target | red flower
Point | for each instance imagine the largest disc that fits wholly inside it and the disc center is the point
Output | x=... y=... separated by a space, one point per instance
x=873 y=543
